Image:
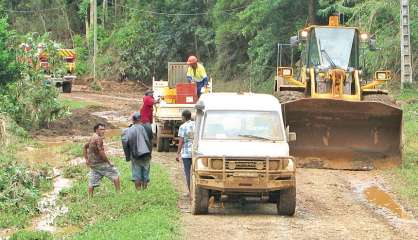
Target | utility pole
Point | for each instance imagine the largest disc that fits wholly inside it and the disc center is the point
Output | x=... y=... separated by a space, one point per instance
x=406 y=52
x=94 y=39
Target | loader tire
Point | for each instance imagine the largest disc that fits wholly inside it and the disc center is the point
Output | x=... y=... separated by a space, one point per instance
x=383 y=98
x=200 y=198
x=286 y=204
x=66 y=87
x=288 y=96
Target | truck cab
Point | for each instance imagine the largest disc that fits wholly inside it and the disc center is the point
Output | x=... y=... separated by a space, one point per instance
x=241 y=151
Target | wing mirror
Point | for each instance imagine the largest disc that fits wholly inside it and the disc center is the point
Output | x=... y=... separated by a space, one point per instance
x=291 y=136
x=294 y=41
x=373 y=44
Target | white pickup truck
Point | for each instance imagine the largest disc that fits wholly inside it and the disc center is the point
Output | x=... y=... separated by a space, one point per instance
x=241 y=152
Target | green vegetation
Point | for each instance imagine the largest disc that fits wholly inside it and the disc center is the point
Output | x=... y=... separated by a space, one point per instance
x=21 y=186
x=24 y=96
x=31 y=235
x=234 y=39
x=71 y=150
x=149 y=214
x=73 y=104
x=408 y=174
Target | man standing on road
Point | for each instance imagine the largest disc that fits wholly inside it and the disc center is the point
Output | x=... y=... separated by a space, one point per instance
x=197 y=73
x=147 y=108
x=137 y=148
x=184 y=150
x=98 y=162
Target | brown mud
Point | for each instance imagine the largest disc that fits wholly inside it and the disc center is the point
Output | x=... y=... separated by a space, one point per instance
x=382 y=199
x=331 y=204
x=79 y=123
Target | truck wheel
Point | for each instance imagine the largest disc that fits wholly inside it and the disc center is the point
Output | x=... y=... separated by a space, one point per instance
x=200 y=198
x=166 y=144
x=163 y=144
x=274 y=196
x=66 y=87
x=286 y=204
x=160 y=144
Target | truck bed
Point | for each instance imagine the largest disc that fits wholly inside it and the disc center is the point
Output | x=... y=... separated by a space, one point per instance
x=164 y=112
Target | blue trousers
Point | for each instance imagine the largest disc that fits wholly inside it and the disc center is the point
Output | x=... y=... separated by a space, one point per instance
x=187 y=164
x=199 y=86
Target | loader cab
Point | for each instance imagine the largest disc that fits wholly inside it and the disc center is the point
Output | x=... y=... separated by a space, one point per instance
x=332 y=47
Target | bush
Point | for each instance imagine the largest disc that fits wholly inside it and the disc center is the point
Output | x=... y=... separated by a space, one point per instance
x=28 y=100
x=19 y=190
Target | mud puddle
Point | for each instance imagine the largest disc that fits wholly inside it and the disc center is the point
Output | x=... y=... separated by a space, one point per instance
x=382 y=199
x=47 y=154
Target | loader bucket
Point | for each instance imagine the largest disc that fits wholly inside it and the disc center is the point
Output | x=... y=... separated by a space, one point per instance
x=339 y=134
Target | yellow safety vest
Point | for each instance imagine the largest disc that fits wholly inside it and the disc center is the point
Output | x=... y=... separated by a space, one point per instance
x=197 y=75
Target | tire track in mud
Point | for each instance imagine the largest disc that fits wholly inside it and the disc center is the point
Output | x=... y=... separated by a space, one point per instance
x=329 y=206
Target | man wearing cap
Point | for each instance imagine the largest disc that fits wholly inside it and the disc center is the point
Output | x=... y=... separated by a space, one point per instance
x=147 y=106
x=197 y=73
x=137 y=148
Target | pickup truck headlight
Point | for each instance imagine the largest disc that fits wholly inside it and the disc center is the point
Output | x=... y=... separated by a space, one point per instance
x=216 y=164
x=274 y=165
x=202 y=163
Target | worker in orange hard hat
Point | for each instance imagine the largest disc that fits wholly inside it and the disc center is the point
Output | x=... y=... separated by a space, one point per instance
x=197 y=73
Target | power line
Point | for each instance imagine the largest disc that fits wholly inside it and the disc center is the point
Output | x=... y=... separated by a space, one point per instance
x=37 y=10
x=176 y=14
x=228 y=11
x=31 y=11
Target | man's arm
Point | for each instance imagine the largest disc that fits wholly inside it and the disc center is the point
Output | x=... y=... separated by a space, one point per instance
x=180 y=146
x=102 y=153
x=189 y=75
x=86 y=157
x=125 y=145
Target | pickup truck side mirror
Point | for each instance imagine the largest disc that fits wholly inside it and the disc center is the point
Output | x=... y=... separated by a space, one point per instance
x=292 y=137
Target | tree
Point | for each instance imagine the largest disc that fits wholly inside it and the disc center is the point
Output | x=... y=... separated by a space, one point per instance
x=8 y=66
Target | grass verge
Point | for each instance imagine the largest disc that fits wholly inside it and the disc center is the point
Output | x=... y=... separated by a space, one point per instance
x=149 y=214
x=407 y=176
x=73 y=104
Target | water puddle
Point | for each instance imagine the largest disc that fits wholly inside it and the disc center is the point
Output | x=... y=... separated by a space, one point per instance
x=380 y=198
x=44 y=155
x=48 y=204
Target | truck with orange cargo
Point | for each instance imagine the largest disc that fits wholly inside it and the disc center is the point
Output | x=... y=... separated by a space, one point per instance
x=176 y=95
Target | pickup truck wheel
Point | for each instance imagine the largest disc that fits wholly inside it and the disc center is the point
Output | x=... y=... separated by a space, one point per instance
x=286 y=204
x=200 y=198
x=66 y=87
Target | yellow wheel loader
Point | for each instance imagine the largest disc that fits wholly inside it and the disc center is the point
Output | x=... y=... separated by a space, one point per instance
x=341 y=119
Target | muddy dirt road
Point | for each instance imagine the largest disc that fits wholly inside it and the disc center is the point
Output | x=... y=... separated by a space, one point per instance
x=330 y=204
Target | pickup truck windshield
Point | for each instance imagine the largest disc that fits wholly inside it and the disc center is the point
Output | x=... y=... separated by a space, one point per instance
x=243 y=125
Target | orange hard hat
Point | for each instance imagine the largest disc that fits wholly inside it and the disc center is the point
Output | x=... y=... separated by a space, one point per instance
x=192 y=60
